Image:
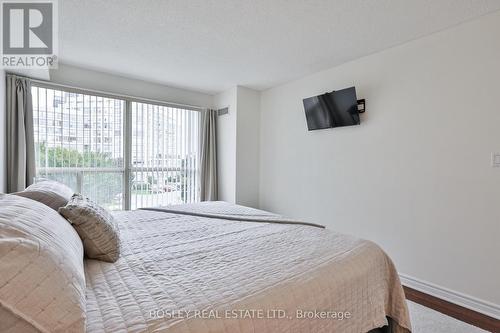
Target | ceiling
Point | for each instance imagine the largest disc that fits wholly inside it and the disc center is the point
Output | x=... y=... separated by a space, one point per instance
x=212 y=45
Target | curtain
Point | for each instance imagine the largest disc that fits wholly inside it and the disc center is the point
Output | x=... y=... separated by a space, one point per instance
x=208 y=156
x=20 y=136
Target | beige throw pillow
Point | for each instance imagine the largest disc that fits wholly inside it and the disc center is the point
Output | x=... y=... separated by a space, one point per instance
x=96 y=226
x=42 y=279
x=48 y=192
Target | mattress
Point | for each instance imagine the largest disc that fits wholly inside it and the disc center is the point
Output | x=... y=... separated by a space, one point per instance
x=182 y=272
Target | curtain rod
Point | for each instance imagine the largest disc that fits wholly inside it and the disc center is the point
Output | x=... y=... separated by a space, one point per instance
x=114 y=95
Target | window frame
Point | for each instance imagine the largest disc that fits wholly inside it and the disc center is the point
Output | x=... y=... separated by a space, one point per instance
x=128 y=168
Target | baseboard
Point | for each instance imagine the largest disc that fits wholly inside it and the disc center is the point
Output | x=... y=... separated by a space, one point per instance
x=466 y=301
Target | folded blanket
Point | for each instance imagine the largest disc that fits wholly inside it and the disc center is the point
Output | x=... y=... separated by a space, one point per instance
x=227 y=211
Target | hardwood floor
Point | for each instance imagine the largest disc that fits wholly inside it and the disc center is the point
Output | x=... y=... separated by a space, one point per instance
x=456 y=311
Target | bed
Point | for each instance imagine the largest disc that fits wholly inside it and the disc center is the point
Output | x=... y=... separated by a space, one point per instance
x=197 y=268
x=218 y=267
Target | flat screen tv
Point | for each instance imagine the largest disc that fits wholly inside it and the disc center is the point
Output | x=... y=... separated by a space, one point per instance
x=335 y=109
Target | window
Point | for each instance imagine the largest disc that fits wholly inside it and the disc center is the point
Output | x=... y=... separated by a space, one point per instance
x=121 y=153
x=164 y=150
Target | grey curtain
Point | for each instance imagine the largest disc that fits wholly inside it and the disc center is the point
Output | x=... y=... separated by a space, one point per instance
x=20 y=137
x=208 y=156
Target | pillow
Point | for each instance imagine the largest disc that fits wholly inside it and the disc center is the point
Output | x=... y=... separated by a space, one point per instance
x=48 y=192
x=42 y=279
x=96 y=226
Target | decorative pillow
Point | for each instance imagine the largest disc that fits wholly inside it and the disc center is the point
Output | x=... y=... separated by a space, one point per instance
x=96 y=226
x=42 y=279
x=48 y=192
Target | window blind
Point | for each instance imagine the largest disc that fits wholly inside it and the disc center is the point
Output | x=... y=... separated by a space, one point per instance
x=120 y=153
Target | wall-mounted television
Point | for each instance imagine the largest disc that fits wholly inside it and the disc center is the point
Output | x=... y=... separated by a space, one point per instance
x=335 y=109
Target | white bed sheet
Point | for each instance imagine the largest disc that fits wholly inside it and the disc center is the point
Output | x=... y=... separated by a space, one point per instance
x=173 y=263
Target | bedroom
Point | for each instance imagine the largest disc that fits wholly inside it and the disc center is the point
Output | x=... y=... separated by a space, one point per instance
x=150 y=108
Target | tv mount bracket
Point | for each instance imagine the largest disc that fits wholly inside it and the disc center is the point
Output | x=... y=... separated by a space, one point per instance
x=361 y=105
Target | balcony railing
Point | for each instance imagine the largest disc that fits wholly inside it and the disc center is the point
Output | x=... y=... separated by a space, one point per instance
x=146 y=186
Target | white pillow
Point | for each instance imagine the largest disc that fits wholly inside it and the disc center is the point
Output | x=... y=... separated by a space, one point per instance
x=42 y=277
x=48 y=192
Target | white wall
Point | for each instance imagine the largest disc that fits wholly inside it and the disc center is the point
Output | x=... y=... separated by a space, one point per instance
x=89 y=79
x=415 y=177
x=238 y=146
x=40 y=74
x=3 y=135
x=226 y=145
x=247 y=150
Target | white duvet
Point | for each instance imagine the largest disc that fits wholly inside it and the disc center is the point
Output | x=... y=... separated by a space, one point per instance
x=191 y=273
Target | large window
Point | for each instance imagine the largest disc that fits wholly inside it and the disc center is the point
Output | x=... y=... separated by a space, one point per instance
x=123 y=154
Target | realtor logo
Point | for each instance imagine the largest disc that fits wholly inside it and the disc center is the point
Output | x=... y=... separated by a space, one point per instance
x=29 y=34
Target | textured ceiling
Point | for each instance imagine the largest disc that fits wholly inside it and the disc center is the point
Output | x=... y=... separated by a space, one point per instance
x=211 y=45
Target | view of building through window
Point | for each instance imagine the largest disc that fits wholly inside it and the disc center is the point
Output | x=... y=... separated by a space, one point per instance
x=81 y=140
x=164 y=161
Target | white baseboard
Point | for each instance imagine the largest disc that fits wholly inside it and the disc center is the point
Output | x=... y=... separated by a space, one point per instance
x=469 y=302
